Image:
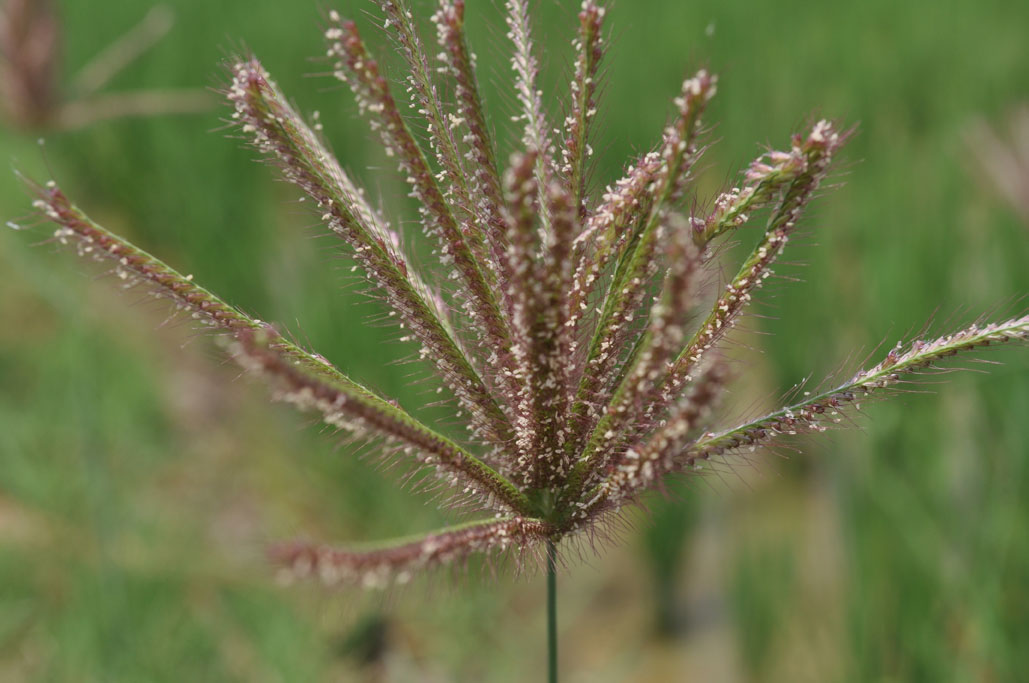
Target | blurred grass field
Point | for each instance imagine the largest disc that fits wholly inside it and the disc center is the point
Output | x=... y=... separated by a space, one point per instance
x=140 y=479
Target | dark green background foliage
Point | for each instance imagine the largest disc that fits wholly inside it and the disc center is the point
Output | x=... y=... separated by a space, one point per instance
x=140 y=479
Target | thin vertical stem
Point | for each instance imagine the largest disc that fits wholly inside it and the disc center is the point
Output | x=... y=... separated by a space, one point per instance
x=551 y=612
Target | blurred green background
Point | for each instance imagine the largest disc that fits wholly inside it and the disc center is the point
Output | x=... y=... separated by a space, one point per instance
x=140 y=478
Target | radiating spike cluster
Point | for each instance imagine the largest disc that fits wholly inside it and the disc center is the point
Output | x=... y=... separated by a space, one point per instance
x=562 y=322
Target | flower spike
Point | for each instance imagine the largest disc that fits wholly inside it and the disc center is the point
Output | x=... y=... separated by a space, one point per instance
x=526 y=68
x=818 y=413
x=589 y=48
x=398 y=561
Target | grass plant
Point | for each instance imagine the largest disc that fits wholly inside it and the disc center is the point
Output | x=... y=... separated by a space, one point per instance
x=579 y=337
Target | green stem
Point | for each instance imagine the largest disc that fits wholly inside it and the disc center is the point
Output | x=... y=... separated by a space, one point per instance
x=551 y=612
